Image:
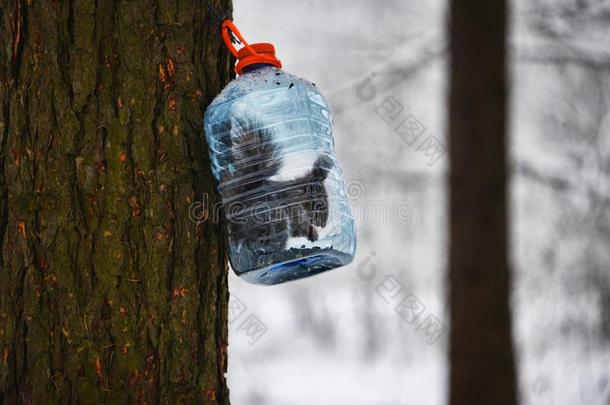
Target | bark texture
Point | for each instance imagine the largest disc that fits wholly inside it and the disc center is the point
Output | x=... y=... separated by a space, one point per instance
x=109 y=292
x=481 y=353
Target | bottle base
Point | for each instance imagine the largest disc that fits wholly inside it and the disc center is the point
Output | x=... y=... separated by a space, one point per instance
x=295 y=269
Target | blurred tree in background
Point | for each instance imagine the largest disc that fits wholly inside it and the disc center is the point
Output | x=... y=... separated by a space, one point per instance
x=481 y=352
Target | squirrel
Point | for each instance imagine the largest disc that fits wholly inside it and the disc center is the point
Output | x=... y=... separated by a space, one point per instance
x=267 y=212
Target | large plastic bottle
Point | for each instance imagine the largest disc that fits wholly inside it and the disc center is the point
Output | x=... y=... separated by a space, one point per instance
x=284 y=205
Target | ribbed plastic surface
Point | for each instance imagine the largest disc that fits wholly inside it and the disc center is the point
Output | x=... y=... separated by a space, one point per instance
x=285 y=209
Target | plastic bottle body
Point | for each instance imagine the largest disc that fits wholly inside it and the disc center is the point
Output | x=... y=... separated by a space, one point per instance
x=284 y=204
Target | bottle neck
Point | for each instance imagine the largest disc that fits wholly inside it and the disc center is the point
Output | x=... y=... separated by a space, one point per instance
x=255 y=66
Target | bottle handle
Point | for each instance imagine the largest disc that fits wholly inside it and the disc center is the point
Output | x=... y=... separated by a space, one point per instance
x=229 y=28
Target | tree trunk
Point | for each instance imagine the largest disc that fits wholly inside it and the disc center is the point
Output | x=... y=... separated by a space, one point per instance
x=481 y=354
x=109 y=292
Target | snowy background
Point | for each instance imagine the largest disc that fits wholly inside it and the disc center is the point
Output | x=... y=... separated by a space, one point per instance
x=338 y=338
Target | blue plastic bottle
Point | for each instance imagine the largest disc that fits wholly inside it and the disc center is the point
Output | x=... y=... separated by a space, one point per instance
x=284 y=205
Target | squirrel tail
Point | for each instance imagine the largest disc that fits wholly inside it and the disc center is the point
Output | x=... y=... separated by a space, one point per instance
x=254 y=148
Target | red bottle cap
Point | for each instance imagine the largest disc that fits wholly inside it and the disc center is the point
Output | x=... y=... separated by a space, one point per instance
x=246 y=58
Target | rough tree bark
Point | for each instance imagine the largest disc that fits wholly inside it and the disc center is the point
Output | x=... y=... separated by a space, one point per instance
x=481 y=354
x=109 y=292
